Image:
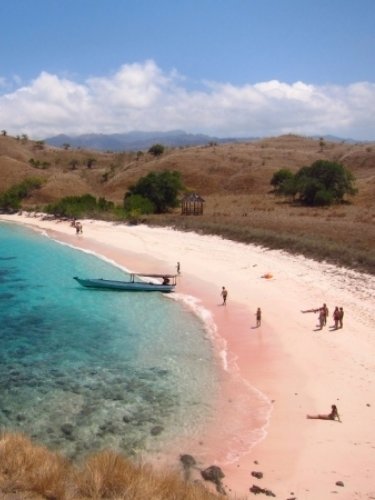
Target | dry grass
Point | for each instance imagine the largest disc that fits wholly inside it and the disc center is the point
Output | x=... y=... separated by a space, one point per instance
x=28 y=471
x=32 y=469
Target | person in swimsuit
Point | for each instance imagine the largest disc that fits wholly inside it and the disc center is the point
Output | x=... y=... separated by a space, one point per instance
x=224 y=294
x=334 y=415
x=336 y=317
x=258 y=316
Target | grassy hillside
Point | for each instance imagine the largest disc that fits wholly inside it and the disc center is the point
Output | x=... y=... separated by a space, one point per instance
x=234 y=180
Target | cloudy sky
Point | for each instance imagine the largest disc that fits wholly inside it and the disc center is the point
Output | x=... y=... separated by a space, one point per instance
x=227 y=68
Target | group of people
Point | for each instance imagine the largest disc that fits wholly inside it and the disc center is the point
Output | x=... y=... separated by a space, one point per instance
x=338 y=316
x=77 y=225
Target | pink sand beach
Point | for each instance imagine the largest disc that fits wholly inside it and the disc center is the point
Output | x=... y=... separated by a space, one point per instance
x=273 y=375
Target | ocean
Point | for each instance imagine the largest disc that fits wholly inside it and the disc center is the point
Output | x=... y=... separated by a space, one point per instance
x=83 y=370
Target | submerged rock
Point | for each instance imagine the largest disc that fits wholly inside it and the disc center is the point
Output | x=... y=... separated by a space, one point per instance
x=67 y=429
x=157 y=429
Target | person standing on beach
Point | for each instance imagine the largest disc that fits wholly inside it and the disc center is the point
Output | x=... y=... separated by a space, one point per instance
x=224 y=294
x=178 y=268
x=258 y=316
x=79 y=227
x=336 y=317
x=322 y=318
x=326 y=312
x=341 y=317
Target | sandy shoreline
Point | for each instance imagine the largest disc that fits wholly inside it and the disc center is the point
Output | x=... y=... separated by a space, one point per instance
x=296 y=369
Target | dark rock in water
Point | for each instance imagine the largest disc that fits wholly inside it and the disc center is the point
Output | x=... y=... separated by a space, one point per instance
x=215 y=475
x=257 y=489
x=339 y=483
x=107 y=428
x=20 y=418
x=116 y=396
x=67 y=429
x=258 y=475
x=157 y=429
x=126 y=419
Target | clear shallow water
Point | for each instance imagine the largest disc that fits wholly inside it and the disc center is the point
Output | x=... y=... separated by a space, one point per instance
x=82 y=369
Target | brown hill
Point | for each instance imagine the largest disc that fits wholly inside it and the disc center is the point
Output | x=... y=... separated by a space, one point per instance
x=234 y=180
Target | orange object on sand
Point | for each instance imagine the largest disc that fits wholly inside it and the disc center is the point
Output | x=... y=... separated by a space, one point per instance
x=267 y=276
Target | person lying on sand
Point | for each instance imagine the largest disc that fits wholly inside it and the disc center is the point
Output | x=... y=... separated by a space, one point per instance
x=334 y=415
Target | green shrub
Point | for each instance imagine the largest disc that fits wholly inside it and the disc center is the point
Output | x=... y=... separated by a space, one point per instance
x=79 y=206
x=136 y=202
x=12 y=198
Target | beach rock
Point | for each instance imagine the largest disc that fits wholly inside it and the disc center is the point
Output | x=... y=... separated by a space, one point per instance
x=339 y=483
x=215 y=475
x=187 y=460
x=258 y=475
x=257 y=489
x=188 y=463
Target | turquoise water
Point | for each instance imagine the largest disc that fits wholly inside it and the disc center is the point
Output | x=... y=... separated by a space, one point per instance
x=81 y=370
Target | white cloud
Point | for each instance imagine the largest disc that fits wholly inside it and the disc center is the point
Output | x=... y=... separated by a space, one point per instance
x=142 y=97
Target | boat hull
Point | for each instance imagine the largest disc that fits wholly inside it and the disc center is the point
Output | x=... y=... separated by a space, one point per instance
x=129 y=286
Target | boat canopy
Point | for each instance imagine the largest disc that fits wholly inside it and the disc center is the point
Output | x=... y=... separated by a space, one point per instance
x=165 y=277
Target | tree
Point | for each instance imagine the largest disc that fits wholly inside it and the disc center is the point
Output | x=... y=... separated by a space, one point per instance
x=322 y=183
x=90 y=162
x=280 y=177
x=161 y=189
x=156 y=150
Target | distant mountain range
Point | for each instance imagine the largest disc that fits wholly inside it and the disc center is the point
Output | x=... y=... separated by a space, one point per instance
x=142 y=141
x=135 y=141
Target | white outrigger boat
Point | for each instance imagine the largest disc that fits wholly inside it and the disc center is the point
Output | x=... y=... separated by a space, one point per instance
x=167 y=284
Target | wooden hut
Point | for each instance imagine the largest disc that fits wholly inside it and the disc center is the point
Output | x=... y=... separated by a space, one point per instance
x=192 y=204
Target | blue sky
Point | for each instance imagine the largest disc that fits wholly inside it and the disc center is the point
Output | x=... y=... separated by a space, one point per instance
x=221 y=67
